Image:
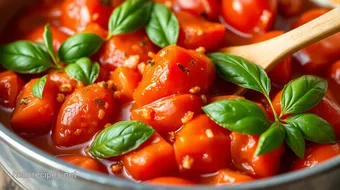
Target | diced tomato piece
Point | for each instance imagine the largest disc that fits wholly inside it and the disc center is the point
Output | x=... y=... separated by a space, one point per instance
x=83 y=114
x=154 y=158
x=316 y=154
x=63 y=82
x=95 y=28
x=227 y=177
x=126 y=81
x=85 y=162
x=242 y=152
x=202 y=146
x=320 y=54
x=196 y=32
x=282 y=73
x=104 y=74
x=120 y=47
x=290 y=7
x=10 y=86
x=166 y=114
x=204 y=8
x=33 y=115
x=333 y=77
x=58 y=37
x=250 y=16
x=171 y=181
x=176 y=70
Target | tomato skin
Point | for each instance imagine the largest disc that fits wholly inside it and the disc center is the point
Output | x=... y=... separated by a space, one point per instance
x=79 y=116
x=253 y=16
x=37 y=36
x=125 y=81
x=320 y=54
x=316 y=154
x=95 y=28
x=333 y=77
x=116 y=50
x=282 y=73
x=148 y=161
x=166 y=113
x=242 y=152
x=228 y=177
x=171 y=181
x=290 y=7
x=85 y=162
x=10 y=86
x=208 y=8
x=60 y=78
x=196 y=32
x=176 y=70
x=33 y=115
x=208 y=153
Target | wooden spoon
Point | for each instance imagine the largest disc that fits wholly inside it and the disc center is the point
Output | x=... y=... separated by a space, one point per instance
x=271 y=52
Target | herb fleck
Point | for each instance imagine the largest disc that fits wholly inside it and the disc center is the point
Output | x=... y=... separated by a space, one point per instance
x=99 y=102
x=142 y=43
x=184 y=69
x=150 y=62
x=192 y=62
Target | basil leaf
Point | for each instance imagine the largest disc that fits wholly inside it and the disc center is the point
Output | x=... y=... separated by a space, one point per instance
x=313 y=128
x=163 y=27
x=241 y=72
x=238 y=115
x=130 y=16
x=24 y=57
x=271 y=139
x=120 y=138
x=295 y=140
x=49 y=41
x=83 y=70
x=38 y=87
x=78 y=46
x=302 y=94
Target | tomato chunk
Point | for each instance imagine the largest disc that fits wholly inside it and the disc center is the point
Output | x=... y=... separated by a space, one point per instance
x=95 y=28
x=85 y=163
x=176 y=70
x=10 y=86
x=290 y=7
x=125 y=81
x=333 y=77
x=196 y=32
x=155 y=158
x=83 y=114
x=63 y=82
x=202 y=146
x=205 y=8
x=33 y=115
x=228 y=177
x=242 y=152
x=121 y=47
x=316 y=154
x=171 y=181
x=166 y=114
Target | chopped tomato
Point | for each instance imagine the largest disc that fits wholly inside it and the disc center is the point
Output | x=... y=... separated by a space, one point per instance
x=282 y=73
x=202 y=146
x=196 y=32
x=155 y=158
x=316 y=154
x=10 y=86
x=63 y=82
x=228 y=177
x=290 y=7
x=121 y=47
x=171 y=181
x=169 y=113
x=125 y=81
x=86 y=111
x=333 y=77
x=242 y=152
x=33 y=115
x=250 y=16
x=95 y=28
x=176 y=70
x=85 y=163
x=104 y=74
x=203 y=8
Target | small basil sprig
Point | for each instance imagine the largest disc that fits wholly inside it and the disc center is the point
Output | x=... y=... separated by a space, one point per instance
x=38 y=87
x=48 y=39
x=120 y=138
x=163 y=26
x=298 y=96
x=129 y=17
x=83 y=70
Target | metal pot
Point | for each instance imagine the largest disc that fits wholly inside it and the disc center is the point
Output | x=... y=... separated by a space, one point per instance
x=31 y=168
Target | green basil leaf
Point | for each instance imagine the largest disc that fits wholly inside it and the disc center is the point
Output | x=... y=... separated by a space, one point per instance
x=78 y=46
x=270 y=139
x=38 y=87
x=130 y=16
x=24 y=57
x=295 y=140
x=302 y=94
x=49 y=41
x=83 y=70
x=239 y=115
x=241 y=72
x=313 y=128
x=120 y=138
x=163 y=27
